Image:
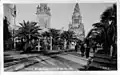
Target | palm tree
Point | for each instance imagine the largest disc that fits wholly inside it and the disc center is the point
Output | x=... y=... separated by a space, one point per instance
x=109 y=20
x=45 y=41
x=103 y=36
x=28 y=32
x=96 y=35
x=110 y=14
x=54 y=33
x=108 y=27
x=67 y=36
x=46 y=34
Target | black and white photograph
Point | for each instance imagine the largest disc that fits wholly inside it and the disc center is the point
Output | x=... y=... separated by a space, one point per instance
x=60 y=37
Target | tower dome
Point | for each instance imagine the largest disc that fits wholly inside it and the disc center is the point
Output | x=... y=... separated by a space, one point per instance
x=43 y=15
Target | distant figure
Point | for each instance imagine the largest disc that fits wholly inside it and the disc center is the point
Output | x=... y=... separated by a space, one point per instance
x=76 y=47
x=87 y=51
x=87 y=48
x=82 y=49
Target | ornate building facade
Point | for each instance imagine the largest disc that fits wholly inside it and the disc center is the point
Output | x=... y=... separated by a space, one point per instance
x=77 y=26
x=43 y=15
x=9 y=10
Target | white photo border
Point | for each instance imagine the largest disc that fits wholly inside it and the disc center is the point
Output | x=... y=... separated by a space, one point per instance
x=58 y=72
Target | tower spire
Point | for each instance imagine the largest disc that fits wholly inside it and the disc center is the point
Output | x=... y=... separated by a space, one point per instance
x=77 y=26
x=77 y=9
x=76 y=17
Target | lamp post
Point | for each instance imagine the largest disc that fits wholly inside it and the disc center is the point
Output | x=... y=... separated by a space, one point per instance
x=14 y=41
x=50 y=42
x=38 y=46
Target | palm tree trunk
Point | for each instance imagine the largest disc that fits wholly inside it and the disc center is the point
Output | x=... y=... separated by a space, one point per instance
x=29 y=44
x=106 y=46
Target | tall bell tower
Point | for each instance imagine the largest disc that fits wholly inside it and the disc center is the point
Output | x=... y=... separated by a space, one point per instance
x=77 y=26
x=43 y=15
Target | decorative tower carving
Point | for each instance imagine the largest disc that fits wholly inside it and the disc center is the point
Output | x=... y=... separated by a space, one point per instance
x=77 y=26
x=43 y=15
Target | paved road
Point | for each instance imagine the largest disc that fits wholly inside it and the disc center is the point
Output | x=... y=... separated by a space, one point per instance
x=67 y=61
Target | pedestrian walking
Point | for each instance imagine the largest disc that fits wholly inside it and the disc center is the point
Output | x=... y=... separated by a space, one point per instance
x=82 y=49
x=87 y=48
x=76 y=47
x=87 y=51
x=94 y=48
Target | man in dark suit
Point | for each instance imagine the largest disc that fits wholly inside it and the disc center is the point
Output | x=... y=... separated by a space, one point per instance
x=82 y=49
x=87 y=47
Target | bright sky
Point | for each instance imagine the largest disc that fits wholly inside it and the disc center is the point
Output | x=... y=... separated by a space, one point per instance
x=62 y=13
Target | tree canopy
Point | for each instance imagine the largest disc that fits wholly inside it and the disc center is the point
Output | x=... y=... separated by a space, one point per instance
x=67 y=35
x=28 y=31
x=6 y=30
x=105 y=31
